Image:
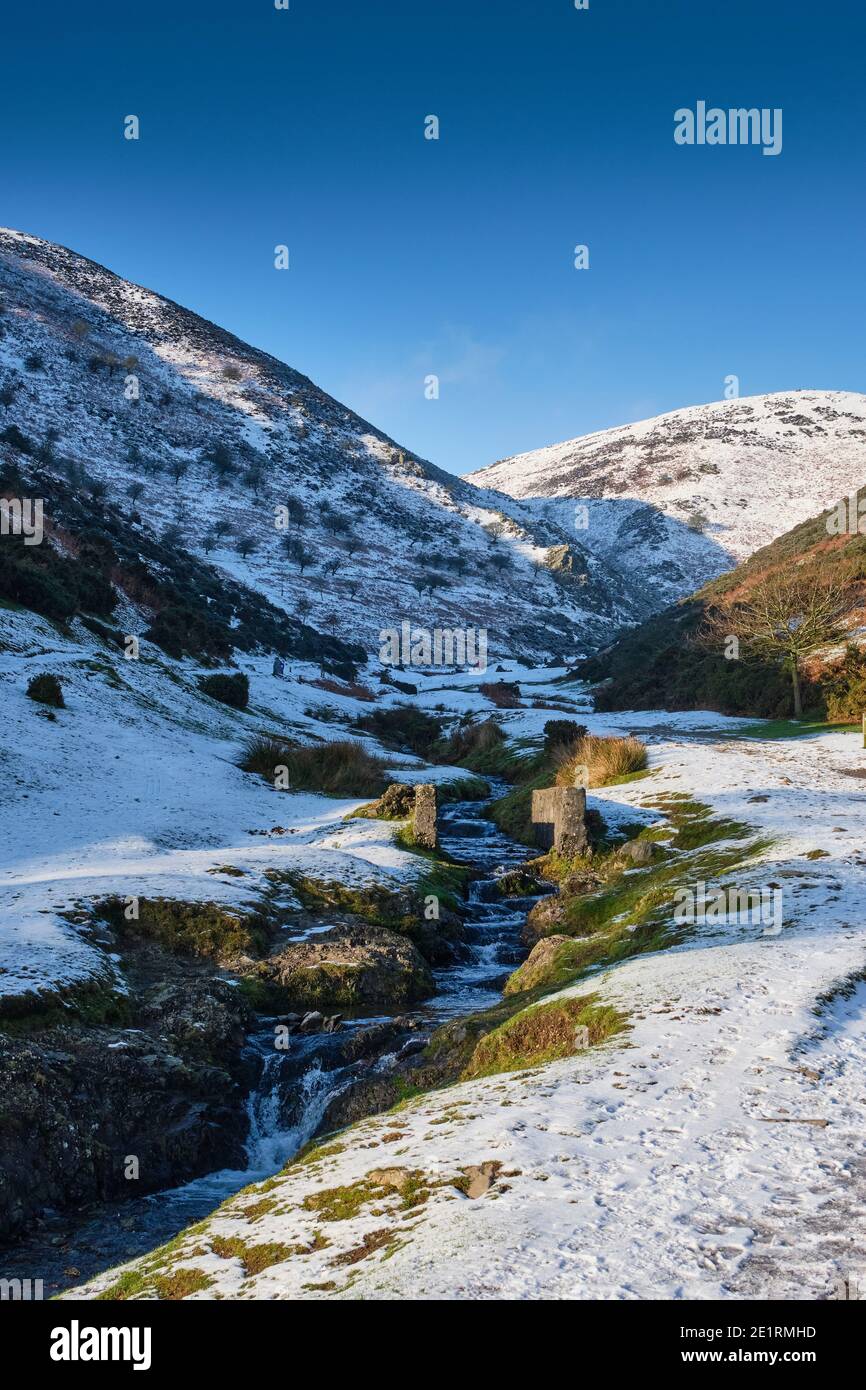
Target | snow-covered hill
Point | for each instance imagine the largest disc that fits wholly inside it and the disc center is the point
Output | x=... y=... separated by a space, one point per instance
x=198 y=435
x=683 y=497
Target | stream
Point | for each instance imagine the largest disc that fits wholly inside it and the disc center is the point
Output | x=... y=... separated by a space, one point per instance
x=296 y=1086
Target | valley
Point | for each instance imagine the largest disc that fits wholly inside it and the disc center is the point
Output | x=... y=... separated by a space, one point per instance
x=261 y=1038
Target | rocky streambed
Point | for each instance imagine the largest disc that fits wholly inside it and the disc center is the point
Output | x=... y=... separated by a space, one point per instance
x=208 y=1089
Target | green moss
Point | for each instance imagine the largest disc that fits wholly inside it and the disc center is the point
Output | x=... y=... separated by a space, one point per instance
x=645 y=899
x=555 y=970
x=632 y=912
x=541 y=1034
x=178 y=1284
x=313 y=1152
x=190 y=928
x=343 y=1203
x=631 y=777
x=254 y=1258
x=256 y=1210
x=93 y=1004
x=513 y=811
x=706 y=832
x=456 y=789
x=262 y=996
x=131 y=1284
x=451 y=1046
x=182 y=1283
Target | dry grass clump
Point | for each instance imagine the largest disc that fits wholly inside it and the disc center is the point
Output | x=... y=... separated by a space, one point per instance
x=503 y=694
x=606 y=758
x=342 y=767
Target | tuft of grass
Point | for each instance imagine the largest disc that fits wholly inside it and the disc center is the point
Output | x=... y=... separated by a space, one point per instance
x=607 y=758
x=254 y=1258
x=343 y=1203
x=384 y=1239
x=503 y=694
x=138 y=1283
x=181 y=1283
x=342 y=767
x=543 y=1033
x=480 y=746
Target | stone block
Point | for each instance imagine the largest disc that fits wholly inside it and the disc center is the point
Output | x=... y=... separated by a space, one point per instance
x=559 y=817
x=424 y=817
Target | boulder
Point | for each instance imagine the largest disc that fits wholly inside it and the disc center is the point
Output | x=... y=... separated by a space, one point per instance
x=638 y=852
x=370 y=1095
x=397 y=802
x=356 y=967
x=551 y=963
x=545 y=917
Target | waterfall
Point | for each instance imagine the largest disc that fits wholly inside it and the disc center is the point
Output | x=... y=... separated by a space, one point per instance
x=271 y=1141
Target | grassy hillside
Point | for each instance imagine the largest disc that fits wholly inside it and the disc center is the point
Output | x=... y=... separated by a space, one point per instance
x=662 y=664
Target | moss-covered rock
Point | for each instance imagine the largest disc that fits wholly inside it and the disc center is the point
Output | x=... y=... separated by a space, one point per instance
x=349 y=967
x=544 y=1033
x=440 y=938
x=190 y=928
x=396 y=803
x=553 y=962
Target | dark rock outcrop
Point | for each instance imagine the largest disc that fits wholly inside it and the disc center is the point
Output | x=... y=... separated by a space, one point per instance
x=100 y=1113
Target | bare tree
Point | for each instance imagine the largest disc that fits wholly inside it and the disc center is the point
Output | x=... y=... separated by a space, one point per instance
x=781 y=619
x=296 y=510
x=297 y=553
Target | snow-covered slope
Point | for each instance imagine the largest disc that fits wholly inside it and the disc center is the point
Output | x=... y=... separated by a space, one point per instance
x=685 y=496
x=196 y=431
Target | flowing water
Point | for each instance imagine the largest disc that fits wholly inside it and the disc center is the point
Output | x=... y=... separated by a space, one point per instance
x=296 y=1086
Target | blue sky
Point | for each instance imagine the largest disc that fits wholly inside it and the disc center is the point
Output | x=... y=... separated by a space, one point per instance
x=455 y=257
